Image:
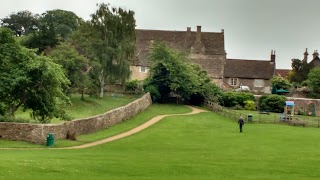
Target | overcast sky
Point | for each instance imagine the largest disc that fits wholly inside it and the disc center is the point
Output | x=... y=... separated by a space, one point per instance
x=252 y=27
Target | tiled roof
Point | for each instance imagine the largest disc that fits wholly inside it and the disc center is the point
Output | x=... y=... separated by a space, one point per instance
x=282 y=72
x=251 y=69
x=180 y=40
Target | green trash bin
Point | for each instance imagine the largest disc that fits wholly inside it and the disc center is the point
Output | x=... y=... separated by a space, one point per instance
x=249 y=117
x=50 y=139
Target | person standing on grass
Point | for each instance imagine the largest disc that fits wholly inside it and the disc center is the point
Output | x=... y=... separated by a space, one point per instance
x=241 y=123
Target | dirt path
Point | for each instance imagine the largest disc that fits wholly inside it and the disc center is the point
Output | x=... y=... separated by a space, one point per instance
x=119 y=136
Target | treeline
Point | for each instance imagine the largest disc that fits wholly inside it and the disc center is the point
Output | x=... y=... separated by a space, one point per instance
x=44 y=58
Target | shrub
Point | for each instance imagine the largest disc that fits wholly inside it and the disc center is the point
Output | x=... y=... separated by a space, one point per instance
x=230 y=99
x=131 y=86
x=250 y=105
x=273 y=103
x=154 y=92
x=237 y=107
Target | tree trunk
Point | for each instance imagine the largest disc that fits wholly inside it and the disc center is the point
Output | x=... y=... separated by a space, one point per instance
x=101 y=83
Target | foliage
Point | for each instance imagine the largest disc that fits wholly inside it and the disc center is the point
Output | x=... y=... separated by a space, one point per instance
x=279 y=82
x=300 y=71
x=132 y=86
x=22 y=22
x=29 y=80
x=173 y=76
x=64 y=22
x=113 y=41
x=314 y=82
x=154 y=92
x=272 y=103
x=76 y=67
x=231 y=99
x=249 y=105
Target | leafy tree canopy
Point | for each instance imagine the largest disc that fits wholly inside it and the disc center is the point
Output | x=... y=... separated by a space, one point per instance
x=22 y=22
x=30 y=81
x=171 y=74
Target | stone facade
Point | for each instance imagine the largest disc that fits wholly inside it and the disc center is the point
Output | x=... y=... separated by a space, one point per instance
x=137 y=74
x=204 y=48
x=37 y=133
x=208 y=50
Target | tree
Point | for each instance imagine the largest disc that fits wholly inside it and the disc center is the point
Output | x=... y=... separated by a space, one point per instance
x=64 y=22
x=314 y=82
x=45 y=38
x=115 y=28
x=23 y=22
x=171 y=74
x=300 y=71
x=279 y=82
x=76 y=67
x=30 y=81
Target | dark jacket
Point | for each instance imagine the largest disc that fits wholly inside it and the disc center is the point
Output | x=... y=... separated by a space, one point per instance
x=241 y=121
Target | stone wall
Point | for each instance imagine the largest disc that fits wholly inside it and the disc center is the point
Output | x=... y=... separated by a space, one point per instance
x=37 y=133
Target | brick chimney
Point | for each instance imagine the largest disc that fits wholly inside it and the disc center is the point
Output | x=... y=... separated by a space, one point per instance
x=306 y=55
x=273 y=56
x=188 y=31
x=315 y=54
x=198 y=38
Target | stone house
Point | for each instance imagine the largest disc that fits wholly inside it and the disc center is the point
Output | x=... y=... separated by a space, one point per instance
x=204 y=48
x=255 y=74
x=208 y=50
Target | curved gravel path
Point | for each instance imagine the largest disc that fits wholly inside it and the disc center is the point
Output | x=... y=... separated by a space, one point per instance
x=119 y=136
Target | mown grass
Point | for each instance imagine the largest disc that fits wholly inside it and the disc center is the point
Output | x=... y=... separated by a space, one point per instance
x=202 y=146
x=152 y=111
x=91 y=106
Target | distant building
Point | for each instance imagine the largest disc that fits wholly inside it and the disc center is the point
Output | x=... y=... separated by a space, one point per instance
x=208 y=50
x=255 y=74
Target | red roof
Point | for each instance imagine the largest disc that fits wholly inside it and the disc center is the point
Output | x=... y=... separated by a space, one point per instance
x=282 y=72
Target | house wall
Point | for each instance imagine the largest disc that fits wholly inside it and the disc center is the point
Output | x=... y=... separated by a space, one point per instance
x=136 y=74
x=266 y=88
x=37 y=133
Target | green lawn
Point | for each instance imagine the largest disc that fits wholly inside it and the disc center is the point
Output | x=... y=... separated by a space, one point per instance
x=89 y=107
x=203 y=146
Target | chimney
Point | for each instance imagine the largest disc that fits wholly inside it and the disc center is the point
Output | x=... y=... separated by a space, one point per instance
x=198 y=38
x=273 y=56
x=315 y=54
x=306 y=55
x=188 y=31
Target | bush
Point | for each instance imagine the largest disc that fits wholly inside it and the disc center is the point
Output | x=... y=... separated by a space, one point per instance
x=131 y=86
x=237 y=107
x=230 y=99
x=273 y=103
x=154 y=92
x=250 y=105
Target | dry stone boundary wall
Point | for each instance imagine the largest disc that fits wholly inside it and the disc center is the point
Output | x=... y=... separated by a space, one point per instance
x=37 y=133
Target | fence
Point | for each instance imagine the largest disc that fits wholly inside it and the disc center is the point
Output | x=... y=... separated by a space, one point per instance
x=262 y=118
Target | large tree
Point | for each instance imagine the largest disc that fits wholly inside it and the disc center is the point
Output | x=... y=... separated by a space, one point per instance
x=300 y=71
x=115 y=43
x=30 y=81
x=76 y=67
x=22 y=22
x=171 y=74
x=64 y=22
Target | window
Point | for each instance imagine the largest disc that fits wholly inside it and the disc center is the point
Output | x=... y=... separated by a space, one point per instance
x=258 y=83
x=233 y=81
x=143 y=69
